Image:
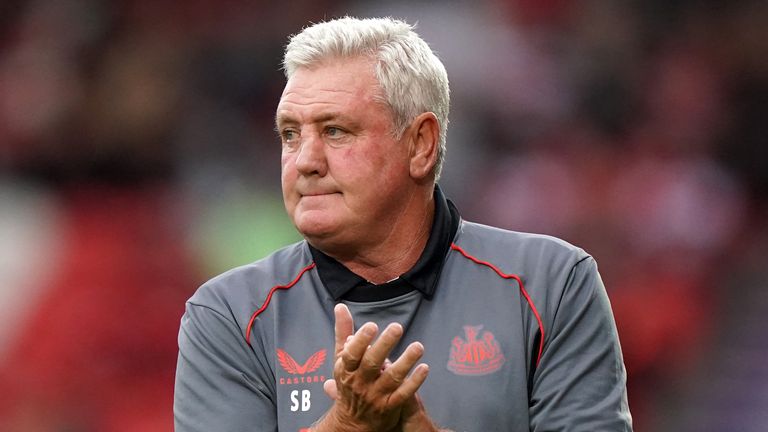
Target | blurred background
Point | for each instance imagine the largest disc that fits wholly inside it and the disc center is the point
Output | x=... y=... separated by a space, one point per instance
x=138 y=159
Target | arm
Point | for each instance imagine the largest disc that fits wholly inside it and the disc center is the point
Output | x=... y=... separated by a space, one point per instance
x=580 y=382
x=215 y=386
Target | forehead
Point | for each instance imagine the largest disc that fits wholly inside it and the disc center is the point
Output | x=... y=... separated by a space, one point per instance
x=347 y=84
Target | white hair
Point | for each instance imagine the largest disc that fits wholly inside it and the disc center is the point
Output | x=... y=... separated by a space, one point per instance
x=413 y=80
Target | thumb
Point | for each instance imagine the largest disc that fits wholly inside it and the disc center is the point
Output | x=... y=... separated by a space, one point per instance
x=343 y=326
x=329 y=386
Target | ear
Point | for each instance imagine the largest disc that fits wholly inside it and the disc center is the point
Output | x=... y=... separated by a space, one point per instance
x=424 y=141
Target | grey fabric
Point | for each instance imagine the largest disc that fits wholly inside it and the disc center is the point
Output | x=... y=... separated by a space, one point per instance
x=480 y=333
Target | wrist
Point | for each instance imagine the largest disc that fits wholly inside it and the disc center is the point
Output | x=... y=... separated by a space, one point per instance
x=420 y=421
x=424 y=423
x=333 y=421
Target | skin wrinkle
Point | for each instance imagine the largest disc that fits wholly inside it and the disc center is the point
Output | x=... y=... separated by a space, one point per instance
x=354 y=196
x=384 y=268
x=377 y=93
x=421 y=239
x=366 y=199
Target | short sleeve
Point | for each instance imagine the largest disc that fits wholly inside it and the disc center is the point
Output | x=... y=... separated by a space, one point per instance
x=218 y=385
x=580 y=382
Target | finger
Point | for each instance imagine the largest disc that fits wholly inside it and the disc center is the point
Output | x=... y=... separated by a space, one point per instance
x=373 y=359
x=329 y=386
x=387 y=363
x=353 y=351
x=344 y=326
x=395 y=375
x=410 y=386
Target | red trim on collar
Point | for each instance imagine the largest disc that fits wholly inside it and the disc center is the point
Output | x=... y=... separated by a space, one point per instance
x=455 y=247
x=269 y=298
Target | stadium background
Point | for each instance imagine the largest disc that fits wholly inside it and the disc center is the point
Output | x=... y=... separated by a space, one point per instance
x=138 y=158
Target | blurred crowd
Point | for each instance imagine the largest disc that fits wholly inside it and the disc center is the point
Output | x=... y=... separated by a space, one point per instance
x=138 y=158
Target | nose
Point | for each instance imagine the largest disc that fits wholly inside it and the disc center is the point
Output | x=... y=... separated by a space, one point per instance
x=311 y=156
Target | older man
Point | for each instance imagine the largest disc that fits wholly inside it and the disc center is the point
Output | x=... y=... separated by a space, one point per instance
x=514 y=330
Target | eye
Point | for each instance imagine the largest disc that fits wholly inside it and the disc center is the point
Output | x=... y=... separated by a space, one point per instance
x=334 y=132
x=288 y=136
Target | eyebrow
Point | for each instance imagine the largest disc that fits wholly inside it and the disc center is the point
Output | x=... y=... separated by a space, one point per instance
x=281 y=119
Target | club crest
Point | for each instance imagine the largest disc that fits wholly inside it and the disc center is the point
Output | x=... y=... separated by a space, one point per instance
x=476 y=354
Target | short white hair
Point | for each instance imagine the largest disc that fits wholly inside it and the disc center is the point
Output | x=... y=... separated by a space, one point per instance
x=413 y=80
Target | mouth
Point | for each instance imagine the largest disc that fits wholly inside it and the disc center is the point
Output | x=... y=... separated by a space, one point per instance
x=315 y=194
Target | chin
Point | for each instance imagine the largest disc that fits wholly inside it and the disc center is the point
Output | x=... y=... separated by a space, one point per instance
x=328 y=239
x=315 y=229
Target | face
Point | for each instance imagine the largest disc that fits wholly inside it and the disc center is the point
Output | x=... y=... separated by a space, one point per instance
x=345 y=178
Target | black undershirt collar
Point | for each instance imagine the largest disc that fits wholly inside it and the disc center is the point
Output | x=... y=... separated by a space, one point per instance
x=342 y=283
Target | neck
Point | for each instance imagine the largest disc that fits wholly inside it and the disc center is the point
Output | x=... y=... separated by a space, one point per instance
x=401 y=249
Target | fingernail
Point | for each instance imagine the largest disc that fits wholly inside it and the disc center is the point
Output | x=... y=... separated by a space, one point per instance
x=369 y=329
x=395 y=328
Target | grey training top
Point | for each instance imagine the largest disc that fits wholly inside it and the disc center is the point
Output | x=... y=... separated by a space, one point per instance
x=518 y=333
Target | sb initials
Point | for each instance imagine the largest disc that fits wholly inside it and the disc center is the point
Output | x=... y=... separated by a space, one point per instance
x=305 y=402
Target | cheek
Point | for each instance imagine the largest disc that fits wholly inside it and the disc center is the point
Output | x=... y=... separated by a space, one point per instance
x=286 y=159
x=357 y=164
x=288 y=177
x=287 y=168
x=378 y=168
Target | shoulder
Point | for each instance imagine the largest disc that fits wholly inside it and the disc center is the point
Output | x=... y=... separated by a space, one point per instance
x=238 y=290
x=552 y=273
x=518 y=251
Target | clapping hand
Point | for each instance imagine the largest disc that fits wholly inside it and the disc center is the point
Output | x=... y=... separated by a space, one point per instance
x=370 y=392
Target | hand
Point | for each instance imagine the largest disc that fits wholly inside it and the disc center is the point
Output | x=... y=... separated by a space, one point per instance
x=415 y=418
x=369 y=396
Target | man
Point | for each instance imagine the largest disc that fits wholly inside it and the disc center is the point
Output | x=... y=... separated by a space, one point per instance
x=394 y=314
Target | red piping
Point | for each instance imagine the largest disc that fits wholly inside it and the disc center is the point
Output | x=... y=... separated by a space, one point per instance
x=522 y=290
x=269 y=298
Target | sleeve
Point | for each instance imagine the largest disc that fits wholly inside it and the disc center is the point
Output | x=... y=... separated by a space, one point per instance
x=580 y=382
x=217 y=385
